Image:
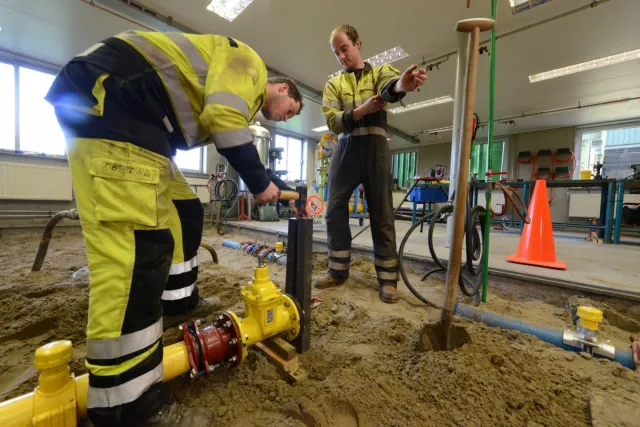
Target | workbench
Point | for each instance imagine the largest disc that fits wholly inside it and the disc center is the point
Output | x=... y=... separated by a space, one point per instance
x=622 y=184
x=607 y=201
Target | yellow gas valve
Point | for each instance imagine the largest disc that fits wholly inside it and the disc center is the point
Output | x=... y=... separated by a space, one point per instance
x=267 y=311
x=54 y=401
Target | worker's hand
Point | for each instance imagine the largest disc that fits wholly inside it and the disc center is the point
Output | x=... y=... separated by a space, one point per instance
x=371 y=105
x=270 y=195
x=411 y=79
x=635 y=352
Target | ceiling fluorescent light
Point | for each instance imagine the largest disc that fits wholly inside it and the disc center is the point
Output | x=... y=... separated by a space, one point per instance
x=586 y=66
x=386 y=57
x=228 y=9
x=321 y=129
x=518 y=6
x=422 y=104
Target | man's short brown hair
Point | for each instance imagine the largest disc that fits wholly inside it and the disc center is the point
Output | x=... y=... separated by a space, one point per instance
x=348 y=30
x=294 y=92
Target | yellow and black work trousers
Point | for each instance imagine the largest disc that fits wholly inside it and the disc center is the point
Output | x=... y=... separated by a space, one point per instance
x=142 y=226
x=362 y=160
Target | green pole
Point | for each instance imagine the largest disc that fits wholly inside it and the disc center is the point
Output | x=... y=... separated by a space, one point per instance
x=492 y=92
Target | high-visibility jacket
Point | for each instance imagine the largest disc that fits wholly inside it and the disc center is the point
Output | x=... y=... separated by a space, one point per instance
x=210 y=86
x=345 y=92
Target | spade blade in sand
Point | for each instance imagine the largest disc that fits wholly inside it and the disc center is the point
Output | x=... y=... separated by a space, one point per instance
x=432 y=338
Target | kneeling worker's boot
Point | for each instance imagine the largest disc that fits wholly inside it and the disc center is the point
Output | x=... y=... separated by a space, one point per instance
x=204 y=308
x=328 y=281
x=177 y=415
x=389 y=293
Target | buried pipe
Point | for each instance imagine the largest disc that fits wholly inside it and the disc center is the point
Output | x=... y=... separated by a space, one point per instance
x=555 y=336
x=279 y=258
x=48 y=232
x=73 y=214
x=214 y=254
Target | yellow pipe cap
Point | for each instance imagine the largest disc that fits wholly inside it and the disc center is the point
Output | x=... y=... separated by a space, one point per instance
x=279 y=247
x=53 y=355
x=590 y=317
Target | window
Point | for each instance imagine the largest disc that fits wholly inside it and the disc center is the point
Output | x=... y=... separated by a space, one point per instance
x=479 y=159
x=404 y=166
x=294 y=158
x=37 y=129
x=191 y=160
x=616 y=149
x=7 y=107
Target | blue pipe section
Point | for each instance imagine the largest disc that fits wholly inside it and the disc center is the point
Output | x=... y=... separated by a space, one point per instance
x=236 y=245
x=546 y=334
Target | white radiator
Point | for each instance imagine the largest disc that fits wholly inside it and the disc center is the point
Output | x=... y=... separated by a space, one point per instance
x=24 y=181
x=199 y=186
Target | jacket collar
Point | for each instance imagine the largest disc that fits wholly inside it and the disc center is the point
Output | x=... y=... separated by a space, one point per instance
x=367 y=67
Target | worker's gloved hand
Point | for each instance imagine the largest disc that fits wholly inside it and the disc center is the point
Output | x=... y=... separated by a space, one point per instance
x=270 y=195
x=411 y=79
x=635 y=351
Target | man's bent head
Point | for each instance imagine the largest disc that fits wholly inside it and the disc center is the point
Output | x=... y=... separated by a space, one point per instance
x=283 y=99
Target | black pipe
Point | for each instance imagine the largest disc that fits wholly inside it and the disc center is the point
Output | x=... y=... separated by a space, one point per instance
x=212 y=251
x=48 y=232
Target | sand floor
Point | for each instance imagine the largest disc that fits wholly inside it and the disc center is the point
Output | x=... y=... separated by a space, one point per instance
x=364 y=365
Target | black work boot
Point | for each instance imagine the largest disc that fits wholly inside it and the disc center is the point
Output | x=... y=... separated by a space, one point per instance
x=204 y=308
x=177 y=415
x=388 y=293
x=328 y=281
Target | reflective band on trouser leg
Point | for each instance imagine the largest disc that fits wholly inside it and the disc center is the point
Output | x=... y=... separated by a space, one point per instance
x=339 y=262
x=386 y=269
x=185 y=222
x=169 y=74
x=129 y=251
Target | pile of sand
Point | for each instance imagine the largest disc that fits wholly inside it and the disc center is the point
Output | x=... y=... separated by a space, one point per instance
x=364 y=366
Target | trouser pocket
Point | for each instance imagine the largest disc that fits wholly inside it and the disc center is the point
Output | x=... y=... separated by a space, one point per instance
x=125 y=191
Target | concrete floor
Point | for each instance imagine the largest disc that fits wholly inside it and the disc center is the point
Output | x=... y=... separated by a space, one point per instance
x=598 y=268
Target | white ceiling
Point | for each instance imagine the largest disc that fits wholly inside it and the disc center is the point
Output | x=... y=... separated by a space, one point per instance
x=292 y=37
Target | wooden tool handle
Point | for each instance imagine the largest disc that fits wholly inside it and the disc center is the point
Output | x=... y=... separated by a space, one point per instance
x=289 y=195
x=467 y=25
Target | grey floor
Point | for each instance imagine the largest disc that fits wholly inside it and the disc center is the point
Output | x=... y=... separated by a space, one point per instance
x=593 y=265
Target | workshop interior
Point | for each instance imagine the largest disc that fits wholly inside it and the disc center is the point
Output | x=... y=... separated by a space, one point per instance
x=511 y=213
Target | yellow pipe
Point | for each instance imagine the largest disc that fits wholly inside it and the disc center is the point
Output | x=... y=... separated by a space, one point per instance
x=19 y=412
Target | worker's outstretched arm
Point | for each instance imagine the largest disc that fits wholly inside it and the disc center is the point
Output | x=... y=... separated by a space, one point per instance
x=282 y=186
x=235 y=83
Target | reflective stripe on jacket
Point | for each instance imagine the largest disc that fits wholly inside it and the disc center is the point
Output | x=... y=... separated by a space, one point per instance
x=344 y=93
x=216 y=84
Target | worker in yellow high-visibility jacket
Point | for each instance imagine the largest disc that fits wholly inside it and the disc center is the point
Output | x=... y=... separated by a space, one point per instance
x=125 y=105
x=354 y=107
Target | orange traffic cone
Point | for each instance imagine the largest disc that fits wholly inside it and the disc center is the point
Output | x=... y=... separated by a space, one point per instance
x=536 y=243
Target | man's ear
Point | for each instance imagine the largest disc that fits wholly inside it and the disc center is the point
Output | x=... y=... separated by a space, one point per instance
x=284 y=87
x=358 y=44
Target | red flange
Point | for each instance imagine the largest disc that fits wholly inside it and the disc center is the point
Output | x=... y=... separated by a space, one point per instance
x=212 y=345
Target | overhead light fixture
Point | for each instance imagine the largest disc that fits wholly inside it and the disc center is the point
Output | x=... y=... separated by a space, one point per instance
x=321 y=129
x=586 y=66
x=228 y=9
x=518 y=6
x=386 y=57
x=422 y=104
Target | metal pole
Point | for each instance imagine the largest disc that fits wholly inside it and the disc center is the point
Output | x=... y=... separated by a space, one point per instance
x=492 y=92
x=611 y=197
x=619 y=207
x=463 y=47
